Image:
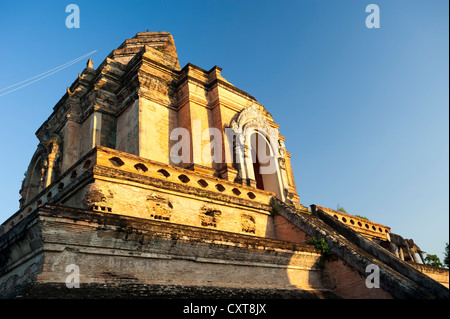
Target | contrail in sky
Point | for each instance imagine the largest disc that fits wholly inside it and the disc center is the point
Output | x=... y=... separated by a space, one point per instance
x=45 y=74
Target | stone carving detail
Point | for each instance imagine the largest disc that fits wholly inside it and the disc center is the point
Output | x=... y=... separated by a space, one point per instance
x=99 y=199
x=44 y=168
x=251 y=118
x=52 y=163
x=248 y=224
x=153 y=83
x=209 y=217
x=281 y=148
x=160 y=208
x=281 y=154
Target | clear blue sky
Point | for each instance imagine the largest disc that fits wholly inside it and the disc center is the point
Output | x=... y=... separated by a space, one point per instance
x=365 y=112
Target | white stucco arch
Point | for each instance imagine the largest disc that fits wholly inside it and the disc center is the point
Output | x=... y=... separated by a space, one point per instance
x=250 y=125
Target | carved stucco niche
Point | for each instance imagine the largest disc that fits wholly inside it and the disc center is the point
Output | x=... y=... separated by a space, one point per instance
x=159 y=208
x=248 y=224
x=209 y=216
x=99 y=198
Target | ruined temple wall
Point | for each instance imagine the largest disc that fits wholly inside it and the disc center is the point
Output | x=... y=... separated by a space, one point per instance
x=284 y=230
x=196 y=118
x=21 y=256
x=151 y=190
x=85 y=137
x=133 y=108
x=348 y=283
x=121 y=250
x=108 y=131
x=155 y=125
x=174 y=207
x=117 y=251
x=71 y=144
x=441 y=275
x=162 y=269
x=127 y=138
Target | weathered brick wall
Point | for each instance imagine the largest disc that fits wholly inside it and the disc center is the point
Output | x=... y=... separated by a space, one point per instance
x=21 y=256
x=112 y=249
x=284 y=230
x=441 y=275
x=348 y=283
x=152 y=203
x=108 y=131
x=137 y=291
x=127 y=138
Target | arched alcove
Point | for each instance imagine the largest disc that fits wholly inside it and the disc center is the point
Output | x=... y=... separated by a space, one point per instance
x=265 y=168
x=32 y=184
x=257 y=151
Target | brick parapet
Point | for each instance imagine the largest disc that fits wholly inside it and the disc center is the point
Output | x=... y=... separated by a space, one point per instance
x=102 y=162
x=366 y=227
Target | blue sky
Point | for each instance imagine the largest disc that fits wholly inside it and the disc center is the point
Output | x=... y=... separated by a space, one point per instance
x=365 y=112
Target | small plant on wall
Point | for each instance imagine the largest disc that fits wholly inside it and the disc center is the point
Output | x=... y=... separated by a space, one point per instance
x=322 y=245
x=275 y=209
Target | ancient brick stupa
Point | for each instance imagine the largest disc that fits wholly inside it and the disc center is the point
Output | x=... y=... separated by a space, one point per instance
x=155 y=180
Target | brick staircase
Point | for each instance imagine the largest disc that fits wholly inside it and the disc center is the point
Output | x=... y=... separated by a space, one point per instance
x=397 y=277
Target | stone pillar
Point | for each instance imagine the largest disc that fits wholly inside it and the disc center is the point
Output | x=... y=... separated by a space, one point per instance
x=248 y=166
x=71 y=143
x=96 y=128
x=50 y=163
